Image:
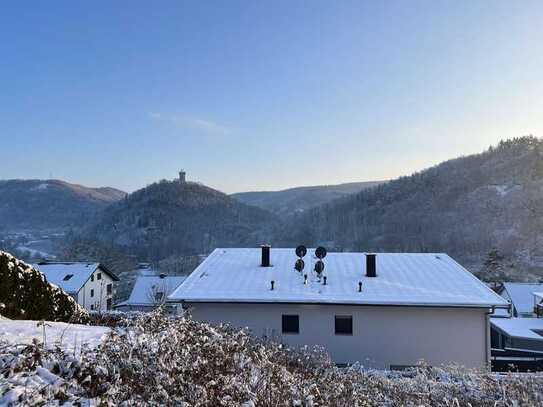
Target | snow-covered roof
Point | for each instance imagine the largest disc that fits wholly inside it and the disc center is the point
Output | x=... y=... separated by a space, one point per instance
x=522 y=296
x=519 y=327
x=235 y=275
x=146 y=287
x=70 y=276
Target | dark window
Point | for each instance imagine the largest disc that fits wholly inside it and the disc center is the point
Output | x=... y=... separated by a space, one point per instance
x=158 y=296
x=109 y=289
x=344 y=325
x=92 y=307
x=109 y=303
x=99 y=276
x=92 y=277
x=67 y=277
x=92 y=292
x=291 y=324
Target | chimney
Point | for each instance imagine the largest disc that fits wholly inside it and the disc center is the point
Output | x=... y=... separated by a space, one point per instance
x=266 y=248
x=182 y=177
x=371 y=269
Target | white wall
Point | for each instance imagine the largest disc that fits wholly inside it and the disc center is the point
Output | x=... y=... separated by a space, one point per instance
x=382 y=336
x=100 y=292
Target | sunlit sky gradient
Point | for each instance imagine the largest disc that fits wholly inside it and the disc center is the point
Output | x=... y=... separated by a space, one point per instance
x=251 y=95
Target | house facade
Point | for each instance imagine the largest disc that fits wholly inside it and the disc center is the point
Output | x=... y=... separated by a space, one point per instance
x=90 y=284
x=387 y=310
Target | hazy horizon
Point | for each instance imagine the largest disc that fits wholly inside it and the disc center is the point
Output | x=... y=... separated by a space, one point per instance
x=250 y=96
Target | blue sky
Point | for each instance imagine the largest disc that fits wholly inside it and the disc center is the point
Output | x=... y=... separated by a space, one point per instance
x=251 y=95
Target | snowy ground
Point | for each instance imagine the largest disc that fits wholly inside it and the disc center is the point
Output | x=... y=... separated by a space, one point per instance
x=70 y=337
x=38 y=383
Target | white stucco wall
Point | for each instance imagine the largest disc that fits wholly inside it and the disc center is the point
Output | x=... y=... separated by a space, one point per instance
x=382 y=336
x=100 y=292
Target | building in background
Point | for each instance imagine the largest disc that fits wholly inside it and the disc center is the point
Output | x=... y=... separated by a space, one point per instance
x=90 y=284
x=521 y=297
x=150 y=292
x=386 y=310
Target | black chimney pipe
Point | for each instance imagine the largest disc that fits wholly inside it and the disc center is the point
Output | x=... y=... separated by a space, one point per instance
x=266 y=248
x=360 y=286
x=272 y=284
x=371 y=268
x=324 y=280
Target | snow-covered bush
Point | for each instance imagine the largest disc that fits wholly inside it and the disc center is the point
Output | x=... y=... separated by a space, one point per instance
x=26 y=294
x=156 y=360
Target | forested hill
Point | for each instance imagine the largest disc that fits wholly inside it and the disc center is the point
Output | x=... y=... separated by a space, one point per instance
x=50 y=204
x=464 y=206
x=292 y=200
x=171 y=218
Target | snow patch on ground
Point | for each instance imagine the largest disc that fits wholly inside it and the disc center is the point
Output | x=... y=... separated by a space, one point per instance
x=70 y=337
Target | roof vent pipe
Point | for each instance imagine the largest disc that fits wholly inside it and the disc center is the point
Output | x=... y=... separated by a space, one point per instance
x=360 y=286
x=371 y=268
x=272 y=284
x=305 y=278
x=324 y=283
x=266 y=248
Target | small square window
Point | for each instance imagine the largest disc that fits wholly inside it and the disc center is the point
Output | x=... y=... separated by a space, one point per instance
x=158 y=296
x=92 y=292
x=99 y=276
x=92 y=307
x=109 y=289
x=67 y=277
x=108 y=304
x=344 y=325
x=291 y=324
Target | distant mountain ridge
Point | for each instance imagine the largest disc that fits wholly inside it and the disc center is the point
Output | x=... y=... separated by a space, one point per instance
x=299 y=199
x=51 y=204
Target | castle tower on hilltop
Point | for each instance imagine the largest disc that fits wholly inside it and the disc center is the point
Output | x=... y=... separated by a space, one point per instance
x=182 y=177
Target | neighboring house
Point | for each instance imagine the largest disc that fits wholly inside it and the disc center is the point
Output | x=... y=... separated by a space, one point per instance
x=150 y=292
x=517 y=344
x=386 y=310
x=517 y=340
x=517 y=336
x=90 y=284
x=520 y=295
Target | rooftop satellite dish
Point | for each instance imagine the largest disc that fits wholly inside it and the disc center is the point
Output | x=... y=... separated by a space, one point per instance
x=299 y=266
x=301 y=251
x=319 y=267
x=320 y=252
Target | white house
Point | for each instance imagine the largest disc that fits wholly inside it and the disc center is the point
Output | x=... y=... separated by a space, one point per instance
x=150 y=291
x=386 y=310
x=90 y=284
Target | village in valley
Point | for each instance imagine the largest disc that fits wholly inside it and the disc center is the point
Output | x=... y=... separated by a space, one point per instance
x=271 y=203
x=384 y=317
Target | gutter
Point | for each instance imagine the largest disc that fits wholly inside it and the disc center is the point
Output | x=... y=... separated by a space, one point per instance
x=399 y=304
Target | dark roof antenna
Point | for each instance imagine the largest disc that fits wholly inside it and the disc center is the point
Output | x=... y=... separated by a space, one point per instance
x=300 y=252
